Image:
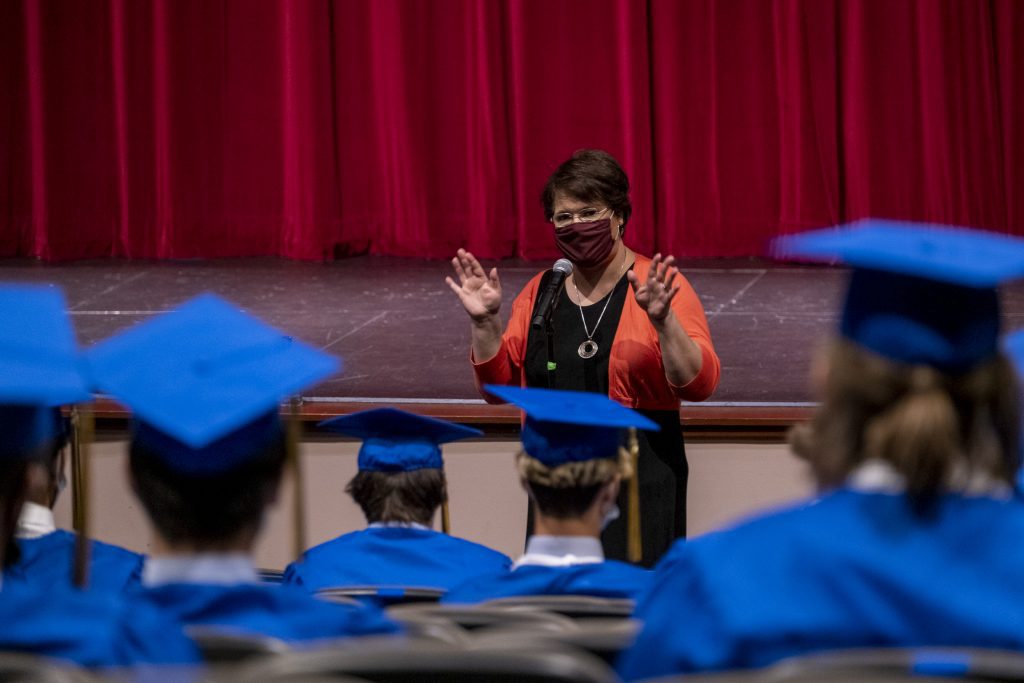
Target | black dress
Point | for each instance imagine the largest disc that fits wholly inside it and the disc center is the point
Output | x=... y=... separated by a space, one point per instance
x=663 y=469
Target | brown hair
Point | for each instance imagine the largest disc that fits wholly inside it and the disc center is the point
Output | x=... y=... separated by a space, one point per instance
x=567 y=491
x=12 y=497
x=411 y=497
x=590 y=175
x=919 y=420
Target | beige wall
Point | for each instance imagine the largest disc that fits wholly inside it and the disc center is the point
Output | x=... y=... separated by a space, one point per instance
x=727 y=481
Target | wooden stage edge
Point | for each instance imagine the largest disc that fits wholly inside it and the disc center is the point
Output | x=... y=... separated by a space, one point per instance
x=703 y=422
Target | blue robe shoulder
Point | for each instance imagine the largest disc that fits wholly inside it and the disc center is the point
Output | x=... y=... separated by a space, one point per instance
x=609 y=579
x=394 y=557
x=47 y=561
x=90 y=629
x=850 y=569
x=282 y=612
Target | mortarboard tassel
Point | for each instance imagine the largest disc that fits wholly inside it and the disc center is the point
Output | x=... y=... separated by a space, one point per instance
x=634 y=542
x=81 y=436
x=292 y=433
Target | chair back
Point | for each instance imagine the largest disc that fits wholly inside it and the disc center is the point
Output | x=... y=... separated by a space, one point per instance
x=24 y=668
x=603 y=638
x=272 y=576
x=222 y=647
x=383 y=596
x=431 y=663
x=573 y=606
x=473 y=617
x=886 y=665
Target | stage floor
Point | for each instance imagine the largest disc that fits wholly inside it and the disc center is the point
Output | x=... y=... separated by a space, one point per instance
x=404 y=338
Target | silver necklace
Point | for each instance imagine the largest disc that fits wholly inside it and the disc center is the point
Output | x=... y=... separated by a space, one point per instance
x=588 y=349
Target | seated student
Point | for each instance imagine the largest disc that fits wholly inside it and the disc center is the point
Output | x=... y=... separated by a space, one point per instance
x=208 y=448
x=46 y=553
x=38 y=371
x=1013 y=344
x=916 y=537
x=399 y=486
x=571 y=465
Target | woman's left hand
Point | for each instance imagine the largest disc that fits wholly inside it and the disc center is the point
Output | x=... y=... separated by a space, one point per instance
x=656 y=294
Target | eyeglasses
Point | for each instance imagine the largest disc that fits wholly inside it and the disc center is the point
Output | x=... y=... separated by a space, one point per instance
x=564 y=219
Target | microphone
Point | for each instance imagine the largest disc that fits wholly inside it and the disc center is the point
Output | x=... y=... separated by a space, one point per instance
x=549 y=297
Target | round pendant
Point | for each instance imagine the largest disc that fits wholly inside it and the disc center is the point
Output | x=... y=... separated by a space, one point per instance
x=587 y=349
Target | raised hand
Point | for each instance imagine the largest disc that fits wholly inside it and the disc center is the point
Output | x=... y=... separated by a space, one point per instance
x=656 y=293
x=479 y=291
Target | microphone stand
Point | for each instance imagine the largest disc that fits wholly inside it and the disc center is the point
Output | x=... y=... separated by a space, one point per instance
x=549 y=333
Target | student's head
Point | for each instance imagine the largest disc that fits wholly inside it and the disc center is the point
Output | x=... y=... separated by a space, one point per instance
x=932 y=427
x=915 y=378
x=205 y=383
x=207 y=510
x=29 y=435
x=573 y=460
x=401 y=471
x=574 y=490
x=406 y=497
x=46 y=476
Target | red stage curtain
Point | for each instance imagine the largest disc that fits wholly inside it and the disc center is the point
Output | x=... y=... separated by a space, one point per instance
x=313 y=129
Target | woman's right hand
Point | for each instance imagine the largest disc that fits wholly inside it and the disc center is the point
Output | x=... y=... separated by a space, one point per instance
x=479 y=292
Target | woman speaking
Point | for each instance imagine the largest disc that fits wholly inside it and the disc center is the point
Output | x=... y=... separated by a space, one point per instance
x=623 y=325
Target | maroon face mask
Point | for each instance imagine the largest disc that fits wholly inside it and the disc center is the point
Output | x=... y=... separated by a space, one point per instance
x=587 y=245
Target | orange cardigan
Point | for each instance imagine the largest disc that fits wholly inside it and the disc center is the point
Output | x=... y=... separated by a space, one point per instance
x=636 y=375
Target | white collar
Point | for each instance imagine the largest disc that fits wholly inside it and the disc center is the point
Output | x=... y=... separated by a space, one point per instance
x=398 y=525
x=201 y=568
x=878 y=476
x=35 y=521
x=561 y=551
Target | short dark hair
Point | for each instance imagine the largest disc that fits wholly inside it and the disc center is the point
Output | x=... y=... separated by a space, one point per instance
x=411 y=497
x=564 y=503
x=590 y=175
x=209 y=509
x=12 y=496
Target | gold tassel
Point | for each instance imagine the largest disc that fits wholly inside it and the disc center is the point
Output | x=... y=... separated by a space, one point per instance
x=293 y=434
x=635 y=544
x=82 y=429
x=446 y=520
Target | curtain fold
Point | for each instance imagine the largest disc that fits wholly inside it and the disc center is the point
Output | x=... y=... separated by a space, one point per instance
x=315 y=129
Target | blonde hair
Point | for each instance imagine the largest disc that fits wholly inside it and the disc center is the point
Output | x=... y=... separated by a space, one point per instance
x=574 y=474
x=921 y=421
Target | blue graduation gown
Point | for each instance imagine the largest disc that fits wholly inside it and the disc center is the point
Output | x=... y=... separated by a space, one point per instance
x=88 y=628
x=608 y=579
x=851 y=569
x=394 y=556
x=47 y=561
x=282 y=612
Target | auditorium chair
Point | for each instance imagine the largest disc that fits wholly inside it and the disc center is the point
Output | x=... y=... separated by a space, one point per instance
x=220 y=647
x=17 y=667
x=398 y=662
x=572 y=606
x=474 y=617
x=274 y=576
x=886 y=665
x=383 y=596
x=604 y=638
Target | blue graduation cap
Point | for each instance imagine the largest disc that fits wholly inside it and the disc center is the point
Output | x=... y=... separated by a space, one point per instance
x=205 y=382
x=1013 y=344
x=570 y=426
x=40 y=368
x=918 y=293
x=397 y=441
